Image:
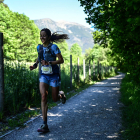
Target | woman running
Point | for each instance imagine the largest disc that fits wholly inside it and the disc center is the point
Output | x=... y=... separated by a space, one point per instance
x=47 y=53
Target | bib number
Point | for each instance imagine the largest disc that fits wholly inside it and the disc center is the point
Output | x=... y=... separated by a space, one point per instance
x=47 y=69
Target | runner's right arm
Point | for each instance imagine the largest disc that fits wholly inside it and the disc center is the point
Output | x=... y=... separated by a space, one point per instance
x=34 y=65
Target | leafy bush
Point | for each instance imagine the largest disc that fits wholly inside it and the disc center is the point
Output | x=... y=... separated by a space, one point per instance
x=130 y=96
x=22 y=85
x=21 y=35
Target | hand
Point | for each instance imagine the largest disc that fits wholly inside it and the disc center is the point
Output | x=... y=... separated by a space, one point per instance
x=31 y=67
x=43 y=62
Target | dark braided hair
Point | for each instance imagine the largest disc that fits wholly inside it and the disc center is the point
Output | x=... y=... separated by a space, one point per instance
x=55 y=37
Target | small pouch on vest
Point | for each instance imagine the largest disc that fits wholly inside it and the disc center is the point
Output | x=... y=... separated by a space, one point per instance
x=47 y=69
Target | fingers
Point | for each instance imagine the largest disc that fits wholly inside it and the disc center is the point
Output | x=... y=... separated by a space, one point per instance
x=31 y=67
x=43 y=62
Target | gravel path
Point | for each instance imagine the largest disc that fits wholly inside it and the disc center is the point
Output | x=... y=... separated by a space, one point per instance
x=94 y=114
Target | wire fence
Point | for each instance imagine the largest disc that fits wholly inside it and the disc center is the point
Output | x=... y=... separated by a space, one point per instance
x=21 y=86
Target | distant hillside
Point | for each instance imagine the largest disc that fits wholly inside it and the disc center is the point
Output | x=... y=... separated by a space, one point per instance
x=77 y=32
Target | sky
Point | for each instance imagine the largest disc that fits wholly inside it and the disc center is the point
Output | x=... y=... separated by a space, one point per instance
x=57 y=10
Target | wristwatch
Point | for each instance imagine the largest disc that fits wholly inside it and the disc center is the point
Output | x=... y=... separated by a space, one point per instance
x=50 y=62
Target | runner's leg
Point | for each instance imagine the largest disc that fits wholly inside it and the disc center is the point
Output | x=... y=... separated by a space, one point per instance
x=55 y=92
x=44 y=92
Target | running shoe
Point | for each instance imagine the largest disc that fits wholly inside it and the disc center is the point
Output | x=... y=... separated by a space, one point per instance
x=44 y=128
x=63 y=99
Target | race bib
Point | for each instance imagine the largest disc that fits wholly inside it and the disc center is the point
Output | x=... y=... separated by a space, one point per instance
x=47 y=69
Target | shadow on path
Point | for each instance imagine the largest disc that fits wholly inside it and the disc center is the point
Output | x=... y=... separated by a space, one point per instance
x=94 y=114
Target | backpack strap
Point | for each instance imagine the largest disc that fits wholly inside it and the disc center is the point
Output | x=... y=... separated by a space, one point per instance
x=40 y=53
x=49 y=47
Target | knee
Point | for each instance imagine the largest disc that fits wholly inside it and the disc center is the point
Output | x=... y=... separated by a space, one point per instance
x=44 y=97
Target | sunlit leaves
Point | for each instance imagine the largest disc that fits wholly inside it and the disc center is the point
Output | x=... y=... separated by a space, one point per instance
x=121 y=21
x=64 y=51
x=76 y=49
x=20 y=33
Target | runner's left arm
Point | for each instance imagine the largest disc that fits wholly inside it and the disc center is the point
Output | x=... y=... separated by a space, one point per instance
x=59 y=61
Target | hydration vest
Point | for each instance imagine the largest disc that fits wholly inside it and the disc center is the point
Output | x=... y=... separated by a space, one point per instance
x=49 y=56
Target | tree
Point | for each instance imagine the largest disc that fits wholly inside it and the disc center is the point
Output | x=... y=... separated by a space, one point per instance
x=120 y=22
x=21 y=35
x=76 y=50
x=100 y=38
x=111 y=57
x=1 y=1
x=1 y=74
x=98 y=53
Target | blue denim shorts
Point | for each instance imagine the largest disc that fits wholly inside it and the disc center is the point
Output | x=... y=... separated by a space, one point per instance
x=52 y=80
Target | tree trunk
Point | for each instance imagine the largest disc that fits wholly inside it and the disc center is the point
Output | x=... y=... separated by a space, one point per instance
x=1 y=74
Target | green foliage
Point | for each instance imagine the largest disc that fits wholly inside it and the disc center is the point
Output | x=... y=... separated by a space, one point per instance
x=18 y=120
x=21 y=84
x=64 y=50
x=131 y=99
x=76 y=52
x=1 y=1
x=104 y=51
x=1 y=115
x=120 y=22
x=21 y=87
x=100 y=38
x=21 y=35
x=101 y=54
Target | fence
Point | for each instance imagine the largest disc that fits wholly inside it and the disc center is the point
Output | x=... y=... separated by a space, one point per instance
x=21 y=86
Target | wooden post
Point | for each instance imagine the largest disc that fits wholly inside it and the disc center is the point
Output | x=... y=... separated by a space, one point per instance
x=103 y=70
x=78 y=69
x=89 y=71
x=98 y=70
x=1 y=74
x=71 y=71
x=84 y=73
x=93 y=70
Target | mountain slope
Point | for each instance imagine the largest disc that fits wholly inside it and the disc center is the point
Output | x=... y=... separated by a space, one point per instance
x=77 y=32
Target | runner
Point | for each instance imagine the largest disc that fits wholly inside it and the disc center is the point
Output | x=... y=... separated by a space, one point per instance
x=47 y=53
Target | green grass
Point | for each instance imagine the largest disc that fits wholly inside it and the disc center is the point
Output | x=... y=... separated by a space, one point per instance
x=18 y=121
x=130 y=97
x=22 y=91
x=12 y=122
x=20 y=87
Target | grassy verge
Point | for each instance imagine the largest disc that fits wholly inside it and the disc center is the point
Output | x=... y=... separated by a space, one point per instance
x=12 y=122
x=18 y=121
x=130 y=97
